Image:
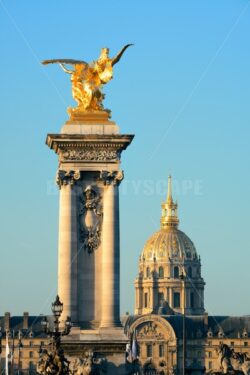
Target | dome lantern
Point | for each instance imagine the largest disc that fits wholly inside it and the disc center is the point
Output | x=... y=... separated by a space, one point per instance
x=169 y=217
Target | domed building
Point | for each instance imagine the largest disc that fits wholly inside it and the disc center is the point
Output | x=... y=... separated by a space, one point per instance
x=169 y=278
x=170 y=332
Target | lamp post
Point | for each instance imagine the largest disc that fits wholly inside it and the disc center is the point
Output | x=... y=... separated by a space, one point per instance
x=182 y=277
x=55 y=332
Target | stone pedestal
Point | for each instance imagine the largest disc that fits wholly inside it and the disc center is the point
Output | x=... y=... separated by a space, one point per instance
x=89 y=150
x=107 y=345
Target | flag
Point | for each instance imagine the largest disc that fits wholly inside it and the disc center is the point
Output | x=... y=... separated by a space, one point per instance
x=134 y=349
x=7 y=353
x=128 y=353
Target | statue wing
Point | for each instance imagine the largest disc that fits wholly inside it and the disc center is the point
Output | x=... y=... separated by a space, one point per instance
x=119 y=54
x=64 y=61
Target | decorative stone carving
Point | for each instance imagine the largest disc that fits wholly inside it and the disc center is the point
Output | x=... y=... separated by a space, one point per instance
x=52 y=362
x=91 y=219
x=173 y=370
x=67 y=177
x=229 y=359
x=88 y=364
x=150 y=331
x=114 y=177
x=91 y=155
x=163 y=327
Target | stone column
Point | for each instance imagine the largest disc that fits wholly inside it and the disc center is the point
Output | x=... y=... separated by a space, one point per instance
x=171 y=297
x=67 y=251
x=151 y=296
x=110 y=315
x=136 y=298
x=167 y=295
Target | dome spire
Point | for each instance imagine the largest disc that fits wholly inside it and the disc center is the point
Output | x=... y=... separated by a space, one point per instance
x=169 y=193
x=169 y=217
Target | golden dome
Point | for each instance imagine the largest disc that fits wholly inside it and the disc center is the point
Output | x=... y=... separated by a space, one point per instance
x=169 y=244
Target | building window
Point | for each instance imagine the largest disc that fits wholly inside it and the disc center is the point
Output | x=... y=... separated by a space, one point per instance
x=42 y=343
x=177 y=300
x=20 y=364
x=209 y=343
x=176 y=272
x=209 y=354
x=209 y=333
x=160 y=298
x=245 y=343
x=31 y=343
x=232 y=343
x=161 y=273
x=209 y=365
x=192 y=300
x=190 y=273
x=31 y=365
x=220 y=333
x=31 y=354
x=149 y=350
x=145 y=299
x=148 y=272
x=199 y=354
x=161 y=350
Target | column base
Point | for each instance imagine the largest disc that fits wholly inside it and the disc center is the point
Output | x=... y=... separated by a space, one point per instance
x=110 y=324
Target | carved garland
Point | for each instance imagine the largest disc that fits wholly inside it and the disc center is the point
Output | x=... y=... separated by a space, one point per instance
x=91 y=155
x=90 y=219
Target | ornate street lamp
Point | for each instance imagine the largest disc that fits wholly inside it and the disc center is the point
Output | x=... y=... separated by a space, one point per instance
x=56 y=333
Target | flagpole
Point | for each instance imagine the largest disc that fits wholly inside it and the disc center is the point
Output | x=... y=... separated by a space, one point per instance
x=13 y=353
x=1 y=348
x=7 y=351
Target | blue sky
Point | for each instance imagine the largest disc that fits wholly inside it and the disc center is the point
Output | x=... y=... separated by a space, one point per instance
x=183 y=90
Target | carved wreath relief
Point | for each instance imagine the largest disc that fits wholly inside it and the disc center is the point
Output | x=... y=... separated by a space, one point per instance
x=90 y=219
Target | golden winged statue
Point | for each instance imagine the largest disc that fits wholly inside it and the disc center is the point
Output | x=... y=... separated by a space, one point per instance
x=88 y=79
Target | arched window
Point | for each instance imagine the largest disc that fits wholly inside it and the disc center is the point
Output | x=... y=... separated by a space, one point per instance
x=149 y=350
x=161 y=273
x=177 y=300
x=190 y=274
x=161 y=350
x=176 y=272
x=148 y=272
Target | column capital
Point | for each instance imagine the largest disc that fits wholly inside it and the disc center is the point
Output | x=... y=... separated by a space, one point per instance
x=67 y=177
x=111 y=177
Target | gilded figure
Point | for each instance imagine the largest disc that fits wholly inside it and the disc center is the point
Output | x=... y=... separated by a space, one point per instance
x=87 y=79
